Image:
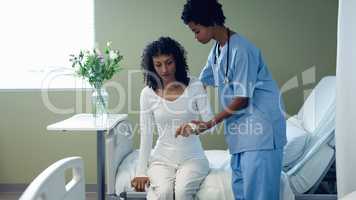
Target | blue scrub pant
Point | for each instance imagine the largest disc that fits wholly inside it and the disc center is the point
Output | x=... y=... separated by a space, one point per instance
x=256 y=174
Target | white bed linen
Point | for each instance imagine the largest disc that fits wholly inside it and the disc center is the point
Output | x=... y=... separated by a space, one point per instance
x=308 y=175
x=297 y=140
x=217 y=185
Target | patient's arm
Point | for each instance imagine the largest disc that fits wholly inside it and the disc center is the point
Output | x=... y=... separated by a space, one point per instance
x=146 y=130
x=202 y=103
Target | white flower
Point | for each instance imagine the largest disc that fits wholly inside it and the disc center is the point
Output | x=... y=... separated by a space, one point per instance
x=98 y=52
x=108 y=44
x=112 y=55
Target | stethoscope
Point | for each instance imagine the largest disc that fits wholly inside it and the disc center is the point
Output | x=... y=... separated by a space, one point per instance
x=226 y=79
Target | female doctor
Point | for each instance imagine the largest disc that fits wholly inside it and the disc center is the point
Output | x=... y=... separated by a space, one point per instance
x=254 y=125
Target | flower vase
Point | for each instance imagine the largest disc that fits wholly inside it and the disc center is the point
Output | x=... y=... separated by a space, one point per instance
x=99 y=101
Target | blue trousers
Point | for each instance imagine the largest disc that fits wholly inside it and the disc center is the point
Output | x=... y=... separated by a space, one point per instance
x=256 y=174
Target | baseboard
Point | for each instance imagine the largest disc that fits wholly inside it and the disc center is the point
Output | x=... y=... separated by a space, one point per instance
x=19 y=188
x=13 y=187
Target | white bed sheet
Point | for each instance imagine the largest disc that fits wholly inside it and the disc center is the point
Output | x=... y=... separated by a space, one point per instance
x=217 y=185
x=308 y=175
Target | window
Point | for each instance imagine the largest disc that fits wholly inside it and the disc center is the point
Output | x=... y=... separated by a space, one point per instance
x=37 y=38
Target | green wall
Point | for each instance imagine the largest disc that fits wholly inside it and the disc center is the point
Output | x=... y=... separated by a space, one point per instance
x=293 y=35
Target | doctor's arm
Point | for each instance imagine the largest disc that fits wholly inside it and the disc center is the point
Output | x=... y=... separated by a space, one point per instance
x=245 y=74
x=238 y=103
x=244 y=80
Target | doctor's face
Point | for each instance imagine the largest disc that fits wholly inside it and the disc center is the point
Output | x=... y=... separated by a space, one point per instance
x=165 y=67
x=202 y=33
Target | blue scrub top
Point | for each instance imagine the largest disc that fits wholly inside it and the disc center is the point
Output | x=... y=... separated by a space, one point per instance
x=260 y=126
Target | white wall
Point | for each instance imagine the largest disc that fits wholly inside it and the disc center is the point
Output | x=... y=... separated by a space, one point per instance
x=346 y=98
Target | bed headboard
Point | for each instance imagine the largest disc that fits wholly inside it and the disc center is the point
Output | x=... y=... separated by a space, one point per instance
x=118 y=146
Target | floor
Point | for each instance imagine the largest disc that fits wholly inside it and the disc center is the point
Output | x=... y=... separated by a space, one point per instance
x=92 y=196
x=16 y=196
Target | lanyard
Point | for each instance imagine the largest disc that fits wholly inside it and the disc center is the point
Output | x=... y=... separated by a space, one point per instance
x=226 y=80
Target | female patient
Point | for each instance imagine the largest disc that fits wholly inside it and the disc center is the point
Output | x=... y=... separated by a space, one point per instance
x=177 y=165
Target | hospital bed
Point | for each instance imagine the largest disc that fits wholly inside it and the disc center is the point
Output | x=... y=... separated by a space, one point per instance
x=317 y=118
x=51 y=184
x=300 y=177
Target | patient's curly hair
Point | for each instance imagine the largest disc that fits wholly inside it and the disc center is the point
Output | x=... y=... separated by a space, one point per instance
x=164 y=46
x=203 y=12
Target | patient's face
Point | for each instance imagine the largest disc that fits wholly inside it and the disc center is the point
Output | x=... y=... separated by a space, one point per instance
x=202 y=33
x=165 y=67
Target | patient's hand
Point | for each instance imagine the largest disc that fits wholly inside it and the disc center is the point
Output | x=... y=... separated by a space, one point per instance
x=186 y=129
x=139 y=183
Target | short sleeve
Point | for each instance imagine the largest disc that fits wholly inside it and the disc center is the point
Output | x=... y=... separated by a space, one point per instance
x=245 y=68
x=207 y=74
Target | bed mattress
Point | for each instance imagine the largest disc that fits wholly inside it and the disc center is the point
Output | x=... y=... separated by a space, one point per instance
x=217 y=185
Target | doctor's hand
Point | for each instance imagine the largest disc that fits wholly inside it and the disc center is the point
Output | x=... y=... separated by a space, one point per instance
x=139 y=183
x=194 y=127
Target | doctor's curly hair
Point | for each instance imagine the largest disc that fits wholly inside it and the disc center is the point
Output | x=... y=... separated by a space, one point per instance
x=164 y=46
x=203 y=12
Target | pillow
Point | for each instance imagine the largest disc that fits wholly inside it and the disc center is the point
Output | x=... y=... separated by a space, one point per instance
x=297 y=139
x=316 y=107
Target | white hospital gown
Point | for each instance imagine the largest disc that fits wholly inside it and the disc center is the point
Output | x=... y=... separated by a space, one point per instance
x=167 y=116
